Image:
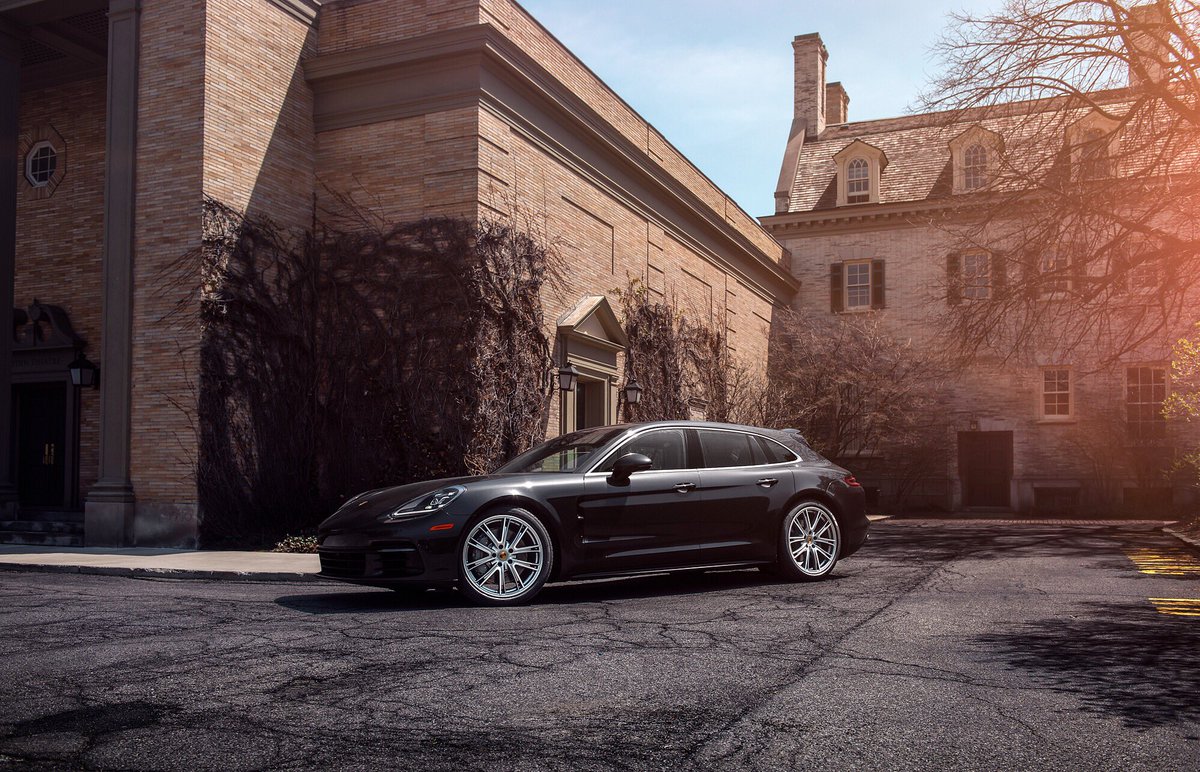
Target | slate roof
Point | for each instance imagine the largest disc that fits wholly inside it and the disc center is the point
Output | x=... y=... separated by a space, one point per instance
x=918 y=150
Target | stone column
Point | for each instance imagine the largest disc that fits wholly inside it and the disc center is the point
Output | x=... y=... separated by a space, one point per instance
x=10 y=94
x=108 y=512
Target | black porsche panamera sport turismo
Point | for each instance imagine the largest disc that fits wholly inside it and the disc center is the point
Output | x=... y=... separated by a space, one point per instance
x=615 y=500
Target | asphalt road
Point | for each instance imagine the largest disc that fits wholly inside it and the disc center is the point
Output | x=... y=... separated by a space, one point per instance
x=965 y=647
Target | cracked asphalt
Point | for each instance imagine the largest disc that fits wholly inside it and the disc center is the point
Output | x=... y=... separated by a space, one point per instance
x=982 y=646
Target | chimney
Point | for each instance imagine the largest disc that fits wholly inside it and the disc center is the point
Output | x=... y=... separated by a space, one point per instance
x=1148 y=42
x=810 y=56
x=837 y=104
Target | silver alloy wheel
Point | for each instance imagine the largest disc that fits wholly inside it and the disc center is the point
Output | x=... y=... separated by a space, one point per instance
x=503 y=557
x=813 y=538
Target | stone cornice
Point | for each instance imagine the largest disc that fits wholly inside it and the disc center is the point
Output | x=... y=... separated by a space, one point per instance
x=477 y=63
x=304 y=10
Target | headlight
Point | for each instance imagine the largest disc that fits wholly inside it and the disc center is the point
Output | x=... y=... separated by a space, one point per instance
x=423 y=505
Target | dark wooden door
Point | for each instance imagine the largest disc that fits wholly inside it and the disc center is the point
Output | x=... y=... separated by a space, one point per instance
x=40 y=410
x=985 y=467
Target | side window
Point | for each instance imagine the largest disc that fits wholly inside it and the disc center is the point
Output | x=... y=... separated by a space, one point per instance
x=775 y=453
x=665 y=447
x=723 y=449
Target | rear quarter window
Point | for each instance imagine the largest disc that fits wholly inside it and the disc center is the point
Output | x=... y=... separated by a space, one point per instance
x=775 y=453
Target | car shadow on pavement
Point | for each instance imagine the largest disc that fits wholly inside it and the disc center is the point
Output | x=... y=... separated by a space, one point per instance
x=1127 y=661
x=594 y=591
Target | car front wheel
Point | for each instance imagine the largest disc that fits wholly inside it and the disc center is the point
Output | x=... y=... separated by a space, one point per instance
x=504 y=559
x=810 y=542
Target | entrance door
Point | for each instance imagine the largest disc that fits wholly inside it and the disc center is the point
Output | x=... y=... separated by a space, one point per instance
x=40 y=410
x=985 y=467
x=591 y=406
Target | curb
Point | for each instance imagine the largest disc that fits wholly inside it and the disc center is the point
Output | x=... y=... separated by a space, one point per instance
x=165 y=573
x=1186 y=538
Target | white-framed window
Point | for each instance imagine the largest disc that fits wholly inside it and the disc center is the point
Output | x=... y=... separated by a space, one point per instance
x=1055 y=273
x=1145 y=393
x=976 y=275
x=1056 y=392
x=858 y=285
x=858 y=181
x=40 y=164
x=975 y=167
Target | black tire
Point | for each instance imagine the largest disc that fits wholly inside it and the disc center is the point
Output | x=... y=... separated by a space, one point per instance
x=810 y=542
x=518 y=552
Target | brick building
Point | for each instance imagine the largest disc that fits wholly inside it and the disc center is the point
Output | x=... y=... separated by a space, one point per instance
x=861 y=206
x=118 y=118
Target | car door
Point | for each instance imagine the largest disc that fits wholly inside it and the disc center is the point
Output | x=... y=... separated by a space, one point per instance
x=648 y=521
x=744 y=487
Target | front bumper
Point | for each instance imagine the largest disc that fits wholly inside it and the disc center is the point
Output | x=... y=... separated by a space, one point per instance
x=389 y=556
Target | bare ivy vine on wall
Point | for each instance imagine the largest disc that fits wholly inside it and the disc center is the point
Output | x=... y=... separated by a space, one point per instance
x=338 y=360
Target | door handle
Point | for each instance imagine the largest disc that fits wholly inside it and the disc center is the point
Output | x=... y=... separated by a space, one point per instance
x=767 y=482
x=685 y=487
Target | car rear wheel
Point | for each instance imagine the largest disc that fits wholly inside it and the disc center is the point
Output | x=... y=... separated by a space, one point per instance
x=810 y=542
x=504 y=559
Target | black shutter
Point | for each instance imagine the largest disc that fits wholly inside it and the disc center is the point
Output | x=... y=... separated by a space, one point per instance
x=1031 y=265
x=878 y=298
x=953 y=278
x=837 y=286
x=1078 y=269
x=999 y=273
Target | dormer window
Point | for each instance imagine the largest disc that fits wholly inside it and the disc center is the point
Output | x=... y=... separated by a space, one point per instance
x=1094 y=142
x=1093 y=156
x=975 y=167
x=974 y=155
x=859 y=167
x=858 y=181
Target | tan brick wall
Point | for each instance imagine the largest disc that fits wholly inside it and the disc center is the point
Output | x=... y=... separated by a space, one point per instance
x=988 y=396
x=604 y=244
x=167 y=227
x=403 y=169
x=347 y=24
x=258 y=131
x=60 y=238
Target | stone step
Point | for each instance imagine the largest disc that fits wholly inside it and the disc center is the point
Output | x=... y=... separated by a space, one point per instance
x=41 y=539
x=42 y=526
x=51 y=515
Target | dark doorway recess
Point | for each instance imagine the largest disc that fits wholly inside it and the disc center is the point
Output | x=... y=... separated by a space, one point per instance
x=985 y=462
x=40 y=410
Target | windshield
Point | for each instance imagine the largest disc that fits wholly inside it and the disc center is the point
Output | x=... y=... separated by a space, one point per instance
x=568 y=453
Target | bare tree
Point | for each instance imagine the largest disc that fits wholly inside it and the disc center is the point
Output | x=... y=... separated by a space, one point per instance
x=1089 y=113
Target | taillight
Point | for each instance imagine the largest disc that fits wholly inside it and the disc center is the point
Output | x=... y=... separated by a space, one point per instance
x=852 y=482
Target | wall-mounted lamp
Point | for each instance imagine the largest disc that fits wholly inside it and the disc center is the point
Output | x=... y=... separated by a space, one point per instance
x=83 y=372
x=567 y=378
x=633 y=392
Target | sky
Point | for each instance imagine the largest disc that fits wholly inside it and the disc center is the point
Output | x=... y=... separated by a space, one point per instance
x=715 y=76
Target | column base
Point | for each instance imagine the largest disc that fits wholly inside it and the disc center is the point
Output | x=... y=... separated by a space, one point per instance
x=108 y=523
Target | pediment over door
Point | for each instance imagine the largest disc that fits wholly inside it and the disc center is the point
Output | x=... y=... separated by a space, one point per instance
x=591 y=337
x=593 y=321
x=43 y=340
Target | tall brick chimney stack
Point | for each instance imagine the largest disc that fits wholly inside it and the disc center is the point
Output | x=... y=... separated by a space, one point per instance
x=1148 y=39
x=810 y=55
x=837 y=104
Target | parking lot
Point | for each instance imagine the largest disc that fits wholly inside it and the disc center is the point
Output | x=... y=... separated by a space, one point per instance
x=979 y=645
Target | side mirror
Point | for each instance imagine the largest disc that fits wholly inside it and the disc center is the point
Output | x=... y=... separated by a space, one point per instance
x=628 y=464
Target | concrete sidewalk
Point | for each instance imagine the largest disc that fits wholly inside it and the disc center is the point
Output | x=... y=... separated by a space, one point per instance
x=164 y=563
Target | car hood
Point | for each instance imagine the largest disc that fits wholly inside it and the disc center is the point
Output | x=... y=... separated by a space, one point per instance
x=366 y=507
